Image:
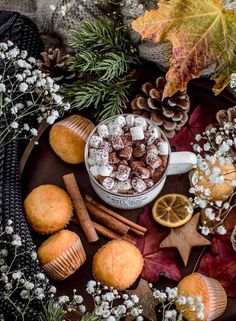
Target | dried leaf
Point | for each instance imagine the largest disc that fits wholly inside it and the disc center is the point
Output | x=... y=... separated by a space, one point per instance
x=220 y=264
x=202 y=33
x=156 y=261
x=197 y=123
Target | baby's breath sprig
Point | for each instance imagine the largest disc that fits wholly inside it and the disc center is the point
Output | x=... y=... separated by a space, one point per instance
x=26 y=95
x=169 y=298
x=215 y=148
x=17 y=288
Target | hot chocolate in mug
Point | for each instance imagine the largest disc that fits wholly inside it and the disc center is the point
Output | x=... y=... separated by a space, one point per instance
x=178 y=163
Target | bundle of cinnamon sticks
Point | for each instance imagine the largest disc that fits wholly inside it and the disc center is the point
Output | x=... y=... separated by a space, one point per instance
x=108 y=223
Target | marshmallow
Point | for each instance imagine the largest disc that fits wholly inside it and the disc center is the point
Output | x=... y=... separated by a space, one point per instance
x=108 y=183
x=94 y=170
x=92 y=161
x=140 y=121
x=123 y=173
x=95 y=141
x=138 y=184
x=105 y=170
x=120 y=121
x=163 y=148
x=152 y=134
x=130 y=120
x=116 y=130
x=117 y=143
x=93 y=153
x=137 y=133
x=103 y=131
x=124 y=186
x=102 y=157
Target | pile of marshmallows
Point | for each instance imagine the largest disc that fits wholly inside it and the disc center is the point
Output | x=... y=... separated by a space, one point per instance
x=127 y=155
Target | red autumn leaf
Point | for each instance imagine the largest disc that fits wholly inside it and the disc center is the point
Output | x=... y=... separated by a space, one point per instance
x=200 y=118
x=156 y=261
x=220 y=264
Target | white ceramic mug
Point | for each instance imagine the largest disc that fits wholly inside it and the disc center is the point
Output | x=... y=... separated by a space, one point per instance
x=178 y=163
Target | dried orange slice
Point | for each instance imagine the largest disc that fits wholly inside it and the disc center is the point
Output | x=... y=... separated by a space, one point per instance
x=171 y=210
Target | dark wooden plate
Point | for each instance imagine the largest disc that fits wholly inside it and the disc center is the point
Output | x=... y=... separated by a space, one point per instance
x=43 y=167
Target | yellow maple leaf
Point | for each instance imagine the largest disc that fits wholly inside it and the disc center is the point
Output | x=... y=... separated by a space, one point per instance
x=202 y=33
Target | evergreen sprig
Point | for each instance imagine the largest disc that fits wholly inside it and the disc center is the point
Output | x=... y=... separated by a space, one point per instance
x=104 y=54
x=52 y=312
x=106 y=99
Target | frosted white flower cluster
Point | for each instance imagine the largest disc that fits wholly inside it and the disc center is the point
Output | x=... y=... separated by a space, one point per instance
x=170 y=297
x=15 y=283
x=215 y=149
x=25 y=94
x=106 y=306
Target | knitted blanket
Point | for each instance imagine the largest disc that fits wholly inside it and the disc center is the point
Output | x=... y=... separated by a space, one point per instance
x=53 y=22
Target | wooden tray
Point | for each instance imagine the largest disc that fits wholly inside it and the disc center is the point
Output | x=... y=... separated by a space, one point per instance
x=43 y=167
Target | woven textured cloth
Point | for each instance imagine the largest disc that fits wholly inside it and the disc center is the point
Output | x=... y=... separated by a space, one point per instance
x=53 y=22
x=23 y=33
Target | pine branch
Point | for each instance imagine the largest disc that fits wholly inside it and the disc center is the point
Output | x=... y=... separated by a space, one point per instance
x=52 y=312
x=102 y=35
x=108 y=99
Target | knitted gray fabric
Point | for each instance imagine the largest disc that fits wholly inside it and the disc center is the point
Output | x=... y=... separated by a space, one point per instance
x=53 y=22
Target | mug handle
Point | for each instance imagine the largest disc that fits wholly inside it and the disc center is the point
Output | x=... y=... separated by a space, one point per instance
x=181 y=162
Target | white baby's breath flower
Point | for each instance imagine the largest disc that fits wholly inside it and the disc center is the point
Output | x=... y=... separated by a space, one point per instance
x=28 y=285
x=78 y=299
x=205 y=230
x=26 y=127
x=198 y=137
x=9 y=222
x=9 y=230
x=129 y=303
x=171 y=292
x=181 y=300
x=2 y=88
x=34 y=131
x=63 y=299
x=32 y=60
x=221 y=230
x=111 y=318
x=40 y=276
x=24 y=294
x=209 y=214
x=207 y=147
x=23 y=86
x=82 y=308
x=134 y=298
x=3 y=252
x=17 y=275
x=200 y=316
x=33 y=255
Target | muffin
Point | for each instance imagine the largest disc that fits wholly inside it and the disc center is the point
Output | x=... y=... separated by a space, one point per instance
x=117 y=264
x=68 y=137
x=213 y=296
x=48 y=209
x=61 y=254
x=220 y=191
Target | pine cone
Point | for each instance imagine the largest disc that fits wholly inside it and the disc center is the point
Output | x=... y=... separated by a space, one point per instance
x=228 y=116
x=170 y=114
x=56 y=66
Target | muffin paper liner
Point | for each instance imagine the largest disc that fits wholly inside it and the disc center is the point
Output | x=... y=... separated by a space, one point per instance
x=79 y=125
x=67 y=263
x=217 y=298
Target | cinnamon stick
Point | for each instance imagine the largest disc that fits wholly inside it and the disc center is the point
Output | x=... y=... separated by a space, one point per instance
x=80 y=208
x=138 y=229
x=106 y=232
x=110 y=222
